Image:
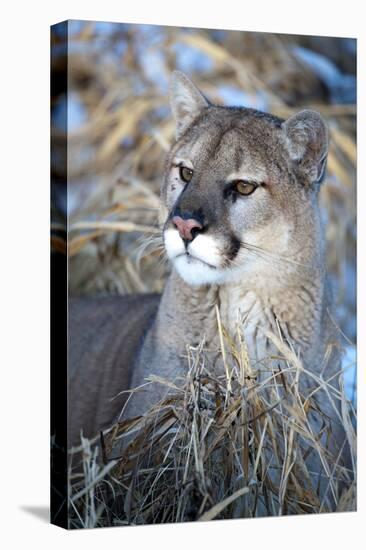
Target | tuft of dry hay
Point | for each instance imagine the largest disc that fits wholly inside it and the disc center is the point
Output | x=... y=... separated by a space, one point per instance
x=219 y=446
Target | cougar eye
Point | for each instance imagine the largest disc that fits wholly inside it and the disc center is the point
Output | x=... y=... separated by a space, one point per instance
x=245 y=187
x=185 y=173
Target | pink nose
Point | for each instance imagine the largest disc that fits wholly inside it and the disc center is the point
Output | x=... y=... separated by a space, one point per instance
x=185 y=227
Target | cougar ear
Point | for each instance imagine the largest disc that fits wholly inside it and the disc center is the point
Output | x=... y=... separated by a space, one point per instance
x=186 y=101
x=306 y=136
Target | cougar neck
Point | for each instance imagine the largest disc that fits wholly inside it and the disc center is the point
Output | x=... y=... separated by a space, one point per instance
x=188 y=312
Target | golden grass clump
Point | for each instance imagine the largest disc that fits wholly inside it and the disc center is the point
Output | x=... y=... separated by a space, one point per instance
x=218 y=446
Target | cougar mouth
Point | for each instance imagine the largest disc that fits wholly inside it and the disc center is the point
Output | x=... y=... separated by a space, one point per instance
x=197 y=262
x=191 y=257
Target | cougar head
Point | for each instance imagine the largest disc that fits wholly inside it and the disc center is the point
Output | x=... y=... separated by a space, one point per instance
x=240 y=187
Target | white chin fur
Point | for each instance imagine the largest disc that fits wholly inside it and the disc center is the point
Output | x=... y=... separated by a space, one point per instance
x=196 y=273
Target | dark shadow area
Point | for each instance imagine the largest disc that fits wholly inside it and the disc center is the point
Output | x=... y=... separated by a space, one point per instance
x=40 y=512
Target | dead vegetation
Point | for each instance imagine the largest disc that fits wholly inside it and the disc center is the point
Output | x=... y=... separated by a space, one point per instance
x=219 y=447
x=216 y=447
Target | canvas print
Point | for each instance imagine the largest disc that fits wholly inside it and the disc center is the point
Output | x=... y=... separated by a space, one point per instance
x=203 y=266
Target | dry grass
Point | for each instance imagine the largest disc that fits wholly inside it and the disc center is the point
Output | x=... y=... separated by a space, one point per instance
x=220 y=447
x=217 y=447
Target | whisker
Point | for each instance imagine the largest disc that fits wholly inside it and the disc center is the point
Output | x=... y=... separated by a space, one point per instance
x=163 y=259
x=149 y=245
x=273 y=256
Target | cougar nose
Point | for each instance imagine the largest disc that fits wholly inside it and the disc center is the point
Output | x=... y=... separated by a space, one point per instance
x=188 y=229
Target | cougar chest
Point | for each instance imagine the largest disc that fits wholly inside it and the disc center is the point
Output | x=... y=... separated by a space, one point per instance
x=244 y=310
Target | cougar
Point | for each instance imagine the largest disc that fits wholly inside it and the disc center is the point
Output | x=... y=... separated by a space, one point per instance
x=241 y=226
